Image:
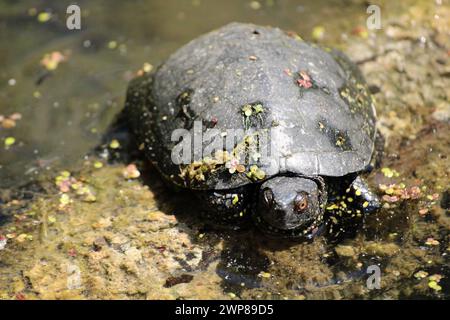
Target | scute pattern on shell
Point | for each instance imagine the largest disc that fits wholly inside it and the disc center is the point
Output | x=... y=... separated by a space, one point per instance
x=324 y=128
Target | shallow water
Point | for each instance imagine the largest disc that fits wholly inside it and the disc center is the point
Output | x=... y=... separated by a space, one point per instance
x=66 y=112
x=85 y=93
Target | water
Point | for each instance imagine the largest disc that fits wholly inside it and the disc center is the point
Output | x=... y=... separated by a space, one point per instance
x=78 y=101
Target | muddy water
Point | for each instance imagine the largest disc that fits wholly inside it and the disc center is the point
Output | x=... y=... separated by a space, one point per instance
x=98 y=234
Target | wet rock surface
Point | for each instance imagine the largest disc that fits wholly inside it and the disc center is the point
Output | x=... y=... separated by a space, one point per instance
x=110 y=233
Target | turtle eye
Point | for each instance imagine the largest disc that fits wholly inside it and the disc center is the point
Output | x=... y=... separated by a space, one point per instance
x=268 y=196
x=301 y=202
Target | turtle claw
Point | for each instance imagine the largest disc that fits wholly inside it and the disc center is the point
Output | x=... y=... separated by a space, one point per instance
x=367 y=201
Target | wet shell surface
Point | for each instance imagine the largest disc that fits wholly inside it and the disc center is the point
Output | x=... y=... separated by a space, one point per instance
x=298 y=109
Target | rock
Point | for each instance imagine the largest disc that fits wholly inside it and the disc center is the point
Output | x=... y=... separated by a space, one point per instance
x=442 y=112
x=381 y=249
x=345 y=251
x=128 y=244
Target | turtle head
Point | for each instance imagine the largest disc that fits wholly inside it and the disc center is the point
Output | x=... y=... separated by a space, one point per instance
x=291 y=206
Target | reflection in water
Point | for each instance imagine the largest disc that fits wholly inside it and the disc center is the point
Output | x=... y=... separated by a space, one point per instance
x=64 y=111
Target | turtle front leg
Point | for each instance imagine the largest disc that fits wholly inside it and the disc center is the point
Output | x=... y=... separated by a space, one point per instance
x=227 y=206
x=365 y=199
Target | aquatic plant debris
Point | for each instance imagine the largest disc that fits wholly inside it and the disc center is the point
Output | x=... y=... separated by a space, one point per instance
x=52 y=60
x=255 y=5
x=304 y=80
x=361 y=32
x=421 y=274
x=263 y=274
x=146 y=68
x=431 y=242
x=9 y=141
x=64 y=200
x=23 y=237
x=395 y=192
x=197 y=170
x=250 y=112
x=112 y=44
x=247 y=110
x=320 y=274
x=9 y=122
x=233 y=166
x=131 y=172
x=294 y=35
x=3 y=242
x=98 y=164
x=232 y=295
x=434 y=282
x=389 y=173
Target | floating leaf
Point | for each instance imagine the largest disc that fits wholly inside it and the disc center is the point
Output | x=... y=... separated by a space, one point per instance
x=9 y=141
x=44 y=17
x=52 y=60
x=434 y=285
x=318 y=33
x=431 y=242
x=421 y=274
x=263 y=274
x=131 y=172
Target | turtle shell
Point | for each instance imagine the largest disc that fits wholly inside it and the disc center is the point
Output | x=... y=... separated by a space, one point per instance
x=297 y=109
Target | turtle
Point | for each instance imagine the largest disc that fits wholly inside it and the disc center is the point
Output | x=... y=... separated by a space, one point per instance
x=256 y=122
